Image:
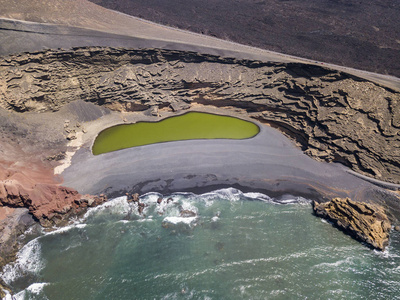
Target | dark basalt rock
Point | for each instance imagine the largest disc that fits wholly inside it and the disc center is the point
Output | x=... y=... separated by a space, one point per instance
x=365 y=222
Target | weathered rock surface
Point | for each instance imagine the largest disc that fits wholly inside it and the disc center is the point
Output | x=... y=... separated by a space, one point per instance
x=332 y=115
x=366 y=222
x=13 y=222
x=48 y=202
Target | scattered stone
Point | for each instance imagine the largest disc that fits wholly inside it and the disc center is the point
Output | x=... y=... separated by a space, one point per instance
x=132 y=198
x=154 y=111
x=141 y=207
x=56 y=157
x=187 y=213
x=397 y=228
x=71 y=136
x=365 y=222
x=159 y=200
x=90 y=202
x=177 y=106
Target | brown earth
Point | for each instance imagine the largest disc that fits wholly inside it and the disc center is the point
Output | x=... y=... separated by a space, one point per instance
x=360 y=34
x=333 y=116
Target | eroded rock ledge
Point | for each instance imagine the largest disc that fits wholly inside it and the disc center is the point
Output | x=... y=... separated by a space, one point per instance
x=365 y=222
x=34 y=187
x=332 y=115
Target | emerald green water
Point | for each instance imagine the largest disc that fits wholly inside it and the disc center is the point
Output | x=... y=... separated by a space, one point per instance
x=193 y=125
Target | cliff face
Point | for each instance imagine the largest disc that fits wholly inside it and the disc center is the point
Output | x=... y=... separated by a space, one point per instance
x=365 y=222
x=332 y=115
x=34 y=188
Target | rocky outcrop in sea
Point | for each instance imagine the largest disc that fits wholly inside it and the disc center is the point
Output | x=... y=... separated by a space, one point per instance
x=364 y=221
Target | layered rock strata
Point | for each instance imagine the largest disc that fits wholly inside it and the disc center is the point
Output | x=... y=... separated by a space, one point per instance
x=332 y=115
x=365 y=222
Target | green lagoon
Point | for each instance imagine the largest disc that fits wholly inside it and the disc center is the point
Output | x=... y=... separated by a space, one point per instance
x=190 y=126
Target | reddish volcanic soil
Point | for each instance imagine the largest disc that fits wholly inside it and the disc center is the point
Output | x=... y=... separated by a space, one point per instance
x=26 y=167
x=25 y=181
x=34 y=187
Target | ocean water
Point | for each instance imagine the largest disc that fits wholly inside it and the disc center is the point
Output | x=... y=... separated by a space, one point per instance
x=219 y=245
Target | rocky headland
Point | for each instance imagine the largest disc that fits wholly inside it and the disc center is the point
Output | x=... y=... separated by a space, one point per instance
x=366 y=222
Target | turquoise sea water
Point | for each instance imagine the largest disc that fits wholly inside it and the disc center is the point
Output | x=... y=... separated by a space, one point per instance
x=220 y=245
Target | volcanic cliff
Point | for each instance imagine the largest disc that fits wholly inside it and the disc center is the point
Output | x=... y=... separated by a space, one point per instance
x=333 y=116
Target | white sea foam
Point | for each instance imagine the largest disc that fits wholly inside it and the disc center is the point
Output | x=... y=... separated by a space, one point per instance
x=347 y=263
x=186 y=205
x=258 y=196
x=387 y=253
x=145 y=220
x=7 y=296
x=177 y=220
x=233 y=194
x=118 y=205
x=230 y=194
x=150 y=198
x=28 y=262
x=65 y=229
x=123 y=221
x=214 y=219
x=35 y=288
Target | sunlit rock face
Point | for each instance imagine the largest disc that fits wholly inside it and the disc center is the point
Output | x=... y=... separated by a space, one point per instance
x=365 y=222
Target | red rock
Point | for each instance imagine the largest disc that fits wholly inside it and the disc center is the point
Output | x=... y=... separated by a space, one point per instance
x=38 y=190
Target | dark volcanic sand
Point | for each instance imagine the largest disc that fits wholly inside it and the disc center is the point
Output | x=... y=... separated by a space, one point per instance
x=360 y=34
x=267 y=163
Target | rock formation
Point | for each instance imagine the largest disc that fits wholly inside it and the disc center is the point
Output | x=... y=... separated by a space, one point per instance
x=332 y=115
x=47 y=201
x=366 y=222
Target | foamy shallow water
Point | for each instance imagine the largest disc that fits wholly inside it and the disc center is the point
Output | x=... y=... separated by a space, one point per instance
x=225 y=245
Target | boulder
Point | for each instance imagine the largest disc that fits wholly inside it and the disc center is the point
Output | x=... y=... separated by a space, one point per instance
x=187 y=213
x=365 y=222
